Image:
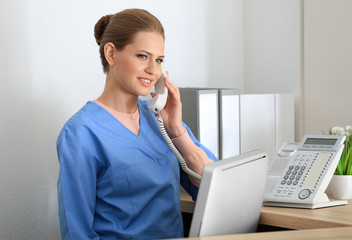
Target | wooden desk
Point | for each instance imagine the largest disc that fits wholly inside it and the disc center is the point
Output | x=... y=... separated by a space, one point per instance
x=294 y=218
x=315 y=234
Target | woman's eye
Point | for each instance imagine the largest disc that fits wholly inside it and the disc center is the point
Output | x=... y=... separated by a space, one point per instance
x=160 y=61
x=142 y=56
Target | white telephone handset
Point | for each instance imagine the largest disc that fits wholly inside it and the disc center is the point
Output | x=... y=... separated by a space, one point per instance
x=156 y=104
x=301 y=172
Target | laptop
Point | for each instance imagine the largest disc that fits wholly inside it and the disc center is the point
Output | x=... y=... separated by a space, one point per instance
x=230 y=195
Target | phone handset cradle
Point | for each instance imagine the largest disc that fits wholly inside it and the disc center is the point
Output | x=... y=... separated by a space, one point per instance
x=156 y=104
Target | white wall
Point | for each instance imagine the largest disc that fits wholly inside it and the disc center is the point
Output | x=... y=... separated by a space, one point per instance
x=301 y=47
x=272 y=50
x=225 y=52
x=327 y=64
x=49 y=68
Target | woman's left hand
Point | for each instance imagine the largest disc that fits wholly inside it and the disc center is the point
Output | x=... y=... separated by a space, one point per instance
x=172 y=112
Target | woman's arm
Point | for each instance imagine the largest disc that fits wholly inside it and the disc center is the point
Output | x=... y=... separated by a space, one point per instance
x=76 y=188
x=186 y=181
x=194 y=156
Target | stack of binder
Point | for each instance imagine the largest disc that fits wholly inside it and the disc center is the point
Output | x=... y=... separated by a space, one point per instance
x=229 y=123
x=213 y=117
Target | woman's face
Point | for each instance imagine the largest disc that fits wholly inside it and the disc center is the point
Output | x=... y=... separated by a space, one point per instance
x=138 y=66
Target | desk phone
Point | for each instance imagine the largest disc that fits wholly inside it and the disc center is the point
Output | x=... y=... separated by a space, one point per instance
x=301 y=172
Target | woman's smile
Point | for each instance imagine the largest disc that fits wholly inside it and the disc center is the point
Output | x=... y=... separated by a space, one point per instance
x=146 y=82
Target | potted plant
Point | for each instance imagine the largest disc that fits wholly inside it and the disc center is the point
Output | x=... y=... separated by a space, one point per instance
x=341 y=183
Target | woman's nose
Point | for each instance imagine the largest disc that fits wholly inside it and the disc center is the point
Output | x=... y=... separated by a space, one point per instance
x=151 y=69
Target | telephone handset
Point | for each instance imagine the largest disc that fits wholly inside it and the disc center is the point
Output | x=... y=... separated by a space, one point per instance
x=156 y=104
x=301 y=172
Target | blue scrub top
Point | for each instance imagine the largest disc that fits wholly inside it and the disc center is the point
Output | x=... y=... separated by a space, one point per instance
x=114 y=184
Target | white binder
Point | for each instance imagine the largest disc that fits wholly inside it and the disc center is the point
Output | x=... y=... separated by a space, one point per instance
x=267 y=121
x=200 y=111
x=229 y=117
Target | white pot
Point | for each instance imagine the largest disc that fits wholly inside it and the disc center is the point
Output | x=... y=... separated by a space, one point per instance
x=340 y=187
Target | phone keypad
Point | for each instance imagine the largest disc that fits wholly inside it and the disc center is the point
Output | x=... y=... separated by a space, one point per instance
x=305 y=171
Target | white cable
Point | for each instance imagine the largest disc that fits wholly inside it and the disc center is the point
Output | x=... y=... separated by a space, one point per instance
x=174 y=149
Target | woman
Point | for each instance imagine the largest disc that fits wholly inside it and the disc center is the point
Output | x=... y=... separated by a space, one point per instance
x=118 y=178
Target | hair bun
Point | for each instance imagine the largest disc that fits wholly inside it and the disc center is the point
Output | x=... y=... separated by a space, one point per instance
x=100 y=27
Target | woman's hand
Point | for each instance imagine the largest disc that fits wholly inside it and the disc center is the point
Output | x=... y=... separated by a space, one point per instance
x=172 y=112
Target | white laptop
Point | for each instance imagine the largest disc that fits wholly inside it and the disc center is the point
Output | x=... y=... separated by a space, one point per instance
x=230 y=195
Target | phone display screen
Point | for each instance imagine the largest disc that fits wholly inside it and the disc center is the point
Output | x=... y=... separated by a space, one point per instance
x=320 y=141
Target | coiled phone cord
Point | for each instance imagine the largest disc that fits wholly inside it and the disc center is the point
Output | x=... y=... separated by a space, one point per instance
x=174 y=149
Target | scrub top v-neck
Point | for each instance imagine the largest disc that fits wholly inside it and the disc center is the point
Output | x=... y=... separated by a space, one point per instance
x=114 y=184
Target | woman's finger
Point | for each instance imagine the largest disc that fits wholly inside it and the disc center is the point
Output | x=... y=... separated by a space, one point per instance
x=173 y=89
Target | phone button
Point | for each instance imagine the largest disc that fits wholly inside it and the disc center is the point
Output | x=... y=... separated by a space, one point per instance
x=304 y=194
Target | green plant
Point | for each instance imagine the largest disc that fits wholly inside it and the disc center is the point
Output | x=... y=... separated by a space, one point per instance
x=344 y=166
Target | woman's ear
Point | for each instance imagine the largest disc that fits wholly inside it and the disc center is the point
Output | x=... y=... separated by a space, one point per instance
x=109 y=52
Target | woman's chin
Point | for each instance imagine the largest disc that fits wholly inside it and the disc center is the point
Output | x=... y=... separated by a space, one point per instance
x=145 y=96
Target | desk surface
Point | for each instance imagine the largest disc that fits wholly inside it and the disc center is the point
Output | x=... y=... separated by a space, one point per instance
x=315 y=234
x=294 y=218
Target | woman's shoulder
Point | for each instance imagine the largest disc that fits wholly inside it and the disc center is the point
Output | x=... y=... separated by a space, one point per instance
x=82 y=119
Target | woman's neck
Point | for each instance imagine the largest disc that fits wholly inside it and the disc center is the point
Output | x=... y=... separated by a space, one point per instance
x=115 y=104
x=119 y=100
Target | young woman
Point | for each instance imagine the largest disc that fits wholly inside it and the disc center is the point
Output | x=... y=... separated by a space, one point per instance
x=118 y=178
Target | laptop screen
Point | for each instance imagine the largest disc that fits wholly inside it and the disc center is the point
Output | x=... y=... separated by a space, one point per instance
x=230 y=195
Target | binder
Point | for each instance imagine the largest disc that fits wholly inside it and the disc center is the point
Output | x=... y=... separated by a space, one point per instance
x=200 y=111
x=229 y=116
x=284 y=119
x=258 y=123
x=267 y=121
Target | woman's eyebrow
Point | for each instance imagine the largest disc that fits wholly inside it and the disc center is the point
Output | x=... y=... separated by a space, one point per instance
x=151 y=54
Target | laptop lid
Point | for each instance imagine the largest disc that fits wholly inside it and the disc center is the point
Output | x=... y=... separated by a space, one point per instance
x=230 y=195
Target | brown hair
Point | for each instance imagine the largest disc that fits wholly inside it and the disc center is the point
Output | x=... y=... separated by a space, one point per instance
x=120 y=29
